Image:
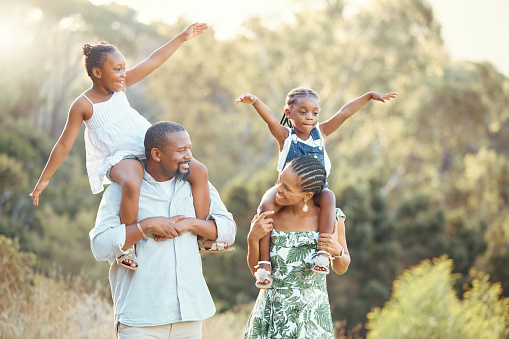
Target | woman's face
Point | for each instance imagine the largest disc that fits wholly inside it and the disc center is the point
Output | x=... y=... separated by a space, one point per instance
x=288 y=190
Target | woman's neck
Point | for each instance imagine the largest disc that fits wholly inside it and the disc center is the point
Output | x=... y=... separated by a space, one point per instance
x=293 y=219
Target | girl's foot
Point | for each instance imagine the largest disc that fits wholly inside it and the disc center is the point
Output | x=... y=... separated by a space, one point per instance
x=128 y=260
x=322 y=262
x=263 y=278
x=209 y=246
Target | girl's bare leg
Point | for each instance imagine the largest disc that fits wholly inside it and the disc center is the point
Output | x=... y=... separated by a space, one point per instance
x=128 y=173
x=327 y=202
x=268 y=203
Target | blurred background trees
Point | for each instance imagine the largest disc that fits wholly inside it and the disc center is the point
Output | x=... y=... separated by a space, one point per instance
x=419 y=177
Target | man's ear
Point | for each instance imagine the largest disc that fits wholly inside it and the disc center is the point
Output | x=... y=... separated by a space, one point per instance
x=155 y=154
x=96 y=72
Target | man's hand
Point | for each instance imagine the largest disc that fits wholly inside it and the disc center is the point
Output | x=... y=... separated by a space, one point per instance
x=163 y=227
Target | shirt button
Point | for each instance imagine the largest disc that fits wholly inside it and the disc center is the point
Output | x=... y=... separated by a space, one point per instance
x=297 y=310
x=295 y=336
x=295 y=142
x=320 y=148
x=316 y=157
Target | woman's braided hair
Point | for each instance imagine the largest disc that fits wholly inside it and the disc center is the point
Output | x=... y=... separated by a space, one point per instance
x=291 y=97
x=95 y=55
x=311 y=172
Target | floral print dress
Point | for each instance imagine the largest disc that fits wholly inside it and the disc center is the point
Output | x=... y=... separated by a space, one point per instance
x=297 y=304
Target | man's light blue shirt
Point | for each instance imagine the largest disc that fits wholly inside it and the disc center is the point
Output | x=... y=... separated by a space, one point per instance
x=168 y=286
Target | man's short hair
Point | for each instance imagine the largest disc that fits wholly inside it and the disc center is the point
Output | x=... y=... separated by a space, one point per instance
x=155 y=137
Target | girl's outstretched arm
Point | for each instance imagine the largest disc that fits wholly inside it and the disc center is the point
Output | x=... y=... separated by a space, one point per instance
x=77 y=113
x=279 y=132
x=331 y=125
x=163 y=53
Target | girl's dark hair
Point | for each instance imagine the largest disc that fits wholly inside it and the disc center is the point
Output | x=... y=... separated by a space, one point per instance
x=311 y=172
x=95 y=55
x=295 y=93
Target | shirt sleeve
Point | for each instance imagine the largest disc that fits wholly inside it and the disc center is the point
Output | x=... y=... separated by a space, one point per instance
x=108 y=236
x=226 y=226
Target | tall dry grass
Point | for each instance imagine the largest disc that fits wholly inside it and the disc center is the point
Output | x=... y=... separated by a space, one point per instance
x=36 y=306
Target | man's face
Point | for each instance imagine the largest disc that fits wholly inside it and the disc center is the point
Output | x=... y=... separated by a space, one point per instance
x=176 y=155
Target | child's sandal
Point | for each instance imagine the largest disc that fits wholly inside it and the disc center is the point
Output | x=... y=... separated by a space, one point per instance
x=217 y=247
x=130 y=255
x=261 y=275
x=322 y=261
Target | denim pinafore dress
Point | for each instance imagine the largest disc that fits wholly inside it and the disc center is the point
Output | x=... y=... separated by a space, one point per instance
x=298 y=149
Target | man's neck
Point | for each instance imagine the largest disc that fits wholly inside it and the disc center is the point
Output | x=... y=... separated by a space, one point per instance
x=157 y=174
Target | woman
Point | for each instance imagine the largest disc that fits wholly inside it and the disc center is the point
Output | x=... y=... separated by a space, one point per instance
x=296 y=305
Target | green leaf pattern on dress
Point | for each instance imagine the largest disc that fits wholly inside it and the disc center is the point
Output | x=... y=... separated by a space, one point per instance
x=297 y=304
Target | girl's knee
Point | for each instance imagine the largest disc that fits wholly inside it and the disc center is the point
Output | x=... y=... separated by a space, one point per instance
x=199 y=172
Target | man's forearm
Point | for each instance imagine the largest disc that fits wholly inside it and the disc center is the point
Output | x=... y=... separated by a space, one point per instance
x=133 y=234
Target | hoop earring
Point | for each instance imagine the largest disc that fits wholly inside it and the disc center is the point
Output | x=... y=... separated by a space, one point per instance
x=305 y=207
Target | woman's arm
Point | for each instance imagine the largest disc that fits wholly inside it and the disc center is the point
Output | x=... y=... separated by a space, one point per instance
x=163 y=53
x=77 y=114
x=260 y=226
x=331 y=125
x=334 y=244
x=280 y=133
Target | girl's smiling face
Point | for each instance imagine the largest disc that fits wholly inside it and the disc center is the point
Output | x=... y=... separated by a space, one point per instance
x=112 y=72
x=303 y=113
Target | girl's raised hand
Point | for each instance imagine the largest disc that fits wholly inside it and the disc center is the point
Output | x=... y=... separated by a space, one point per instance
x=41 y=185
x=247 y=99
x=383 y=97
x=194 y=30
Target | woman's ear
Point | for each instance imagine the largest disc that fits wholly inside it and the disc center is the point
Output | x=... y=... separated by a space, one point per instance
x=308 y=196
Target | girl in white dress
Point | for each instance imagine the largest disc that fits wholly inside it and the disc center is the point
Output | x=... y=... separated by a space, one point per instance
x=115 y=132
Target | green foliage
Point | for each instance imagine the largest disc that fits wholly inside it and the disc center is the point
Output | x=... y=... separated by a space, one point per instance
x=422 y=176
x=424 y=305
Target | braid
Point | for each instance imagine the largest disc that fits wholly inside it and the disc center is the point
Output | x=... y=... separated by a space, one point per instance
x=311 y=172
x=292 y=97
x=95 y=55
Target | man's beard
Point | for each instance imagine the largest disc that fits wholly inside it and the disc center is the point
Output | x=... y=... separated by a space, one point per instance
x=182 y=175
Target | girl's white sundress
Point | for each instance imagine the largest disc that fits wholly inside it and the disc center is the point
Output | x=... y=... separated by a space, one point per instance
x=114 y=131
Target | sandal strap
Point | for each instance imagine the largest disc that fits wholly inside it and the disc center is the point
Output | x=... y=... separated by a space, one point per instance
x=263 y=262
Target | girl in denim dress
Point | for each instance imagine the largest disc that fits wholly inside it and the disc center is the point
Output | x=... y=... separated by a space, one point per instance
x=304 y=136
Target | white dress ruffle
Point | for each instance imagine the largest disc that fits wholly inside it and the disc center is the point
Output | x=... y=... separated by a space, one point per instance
x=114 y=131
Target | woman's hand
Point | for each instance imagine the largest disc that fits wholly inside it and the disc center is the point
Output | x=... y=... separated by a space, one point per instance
x=329 y=242
x=260 y=226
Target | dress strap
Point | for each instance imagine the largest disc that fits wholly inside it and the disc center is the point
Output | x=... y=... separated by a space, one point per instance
x=88 y=99
x=315 y=134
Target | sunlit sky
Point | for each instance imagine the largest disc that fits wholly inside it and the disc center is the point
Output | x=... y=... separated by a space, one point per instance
x=472 y=29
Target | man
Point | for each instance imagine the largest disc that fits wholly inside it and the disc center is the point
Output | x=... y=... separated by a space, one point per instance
x=167 y=296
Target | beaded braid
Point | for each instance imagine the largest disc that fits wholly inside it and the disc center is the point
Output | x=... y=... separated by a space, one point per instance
x=95 y=55
x=311 y=172
x=291 y=97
